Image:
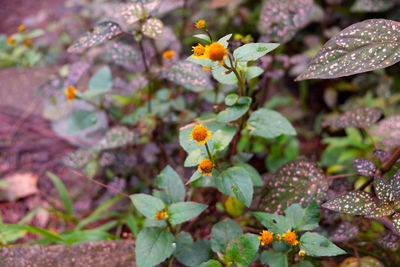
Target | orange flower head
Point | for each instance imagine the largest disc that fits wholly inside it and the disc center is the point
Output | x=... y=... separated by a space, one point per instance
x=206 y=68
x=70 y=92
x=266 y=237
x=302 y=253
x=205 y=167
x=200 y=134
x=216 y=51
x=28 y=42
x=198 y=51
x=21 y=28
x=290 y=238
x=169 y=54
x=161 y=215
x=201 y=24
x=10 y=40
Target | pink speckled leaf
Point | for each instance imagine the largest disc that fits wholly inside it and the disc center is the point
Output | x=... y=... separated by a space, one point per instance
x=100 y=33
x=372 y=5
x=281 y=19
x=153 y=28
x=357 y=118
x=298 y=181
x=356 y=203
x=189 y=75
x=364 y=167
x=381 y=211
x=364 y=46
x=388 y=130
x=115 y=137
x=389 y=240
x=121 y=54
x=346 y=231
x=78 y=158
x=382 y=155
x=75 y=72
x=396 y=221
x=384 y=190
x=395 y=185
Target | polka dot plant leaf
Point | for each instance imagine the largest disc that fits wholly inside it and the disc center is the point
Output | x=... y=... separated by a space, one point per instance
x=368 y=45
x=384 y=190
x=388 y=130
x=396 y=221
x=78 y=158
x=372 y=5
x=356 y=203
x=100 y=33
x=75 y=72
x=115 y=137
x=381 y=211
x=389 y=241
x=298 y=181
x=357 y=118
x=364 y=167
x=121 y=54
x=346 y=231
x=153 y=28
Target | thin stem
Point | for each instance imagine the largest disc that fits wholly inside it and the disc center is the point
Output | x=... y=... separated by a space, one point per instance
x=238 y=77
x=370 y=138
x=209 y=35
x=339 y=176
x=146 y=67
x=391 y=161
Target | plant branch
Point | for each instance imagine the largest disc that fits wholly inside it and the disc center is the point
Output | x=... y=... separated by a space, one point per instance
x=391 y=161
x=342 y=176
x=370 y=137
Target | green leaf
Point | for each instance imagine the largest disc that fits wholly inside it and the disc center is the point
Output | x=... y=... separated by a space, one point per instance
x=115 y=137
x=75 y=236
x=195 y=157
x=253 y=72
x=101 y=80
x=81 y=120
x=9 y=234
x=356 y=118
x=317 y=245
x=299 y=181
x=28 y=228
x=253 y=51
x=223 y=137
x=356 y=203
x=192 y=253
x=100 y=33
x=274 y=259
x=303 y=219
x=231 y=99
x=153 y=246
x=172 y=184
x=147 y=205
x=204 y=37
x=236 y=182
x=222 y=75
x=62 y=192
x=184 y=211
x=189 y=75
x=211 y=263
x=153 y=28
x=222 y=232
x=372 y=5
x=236 y=111
x=242 y=249
x=273 y=222
x=381 y=211
x=253 y=173
x=78 y=158
x=269 y=124
x=368 y=45
x=224 y=40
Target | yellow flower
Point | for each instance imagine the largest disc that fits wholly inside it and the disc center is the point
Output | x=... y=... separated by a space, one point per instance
x=21 y=28
x=70 y=92
x=161 y=215
x=206 y=68
x=199 y=51
x=205 y=167
x=266 y=237
x=290 y=238
x=10 y=40
x=216 y=52
x=200 y=133
x=28 y=42
x=169 y=54
x=201 y=24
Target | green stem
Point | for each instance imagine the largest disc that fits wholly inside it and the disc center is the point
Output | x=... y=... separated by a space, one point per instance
x=238 y=76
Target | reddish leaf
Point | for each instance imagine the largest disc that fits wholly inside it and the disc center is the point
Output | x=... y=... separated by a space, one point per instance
x=364 y=167
x=358 y=118
x=346 y=231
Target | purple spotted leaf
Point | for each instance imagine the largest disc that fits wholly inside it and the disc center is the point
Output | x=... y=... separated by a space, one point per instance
x=388 y=130
x=356 y=203
x=384 y=190
x=75 y=72
x=78 y=158
x=298 y=181
x=357 y=118
x=100 y=33
x=364 y=167
x=395 y=185
x=382 y=155
x=381 y=211
x=346 y=231
x=389 y=240
x=153 y=28
x=281 y=19
x=372 y=5
x=364 y=46
x=115 y=137
x=396 y=222
x=121 y=54
x=189 y=75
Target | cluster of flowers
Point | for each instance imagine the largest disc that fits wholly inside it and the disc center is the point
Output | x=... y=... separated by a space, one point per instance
x=290 y=237
x=11 y=39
